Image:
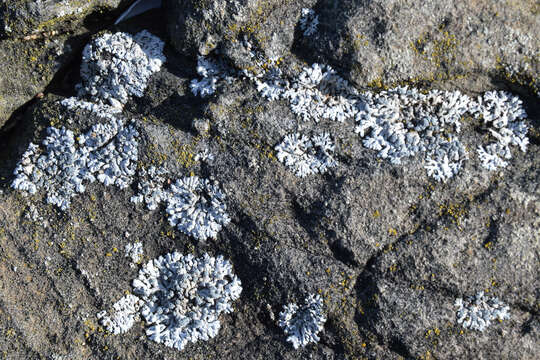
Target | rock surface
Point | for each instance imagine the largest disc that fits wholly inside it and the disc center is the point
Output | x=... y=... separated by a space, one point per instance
x=23 y=17
x=39 y=38
x=388 y=249
x=374 y=43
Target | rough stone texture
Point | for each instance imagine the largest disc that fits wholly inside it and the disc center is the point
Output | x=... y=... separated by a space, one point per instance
x=201 y=26
x=373 y=42
x=22 y=17
x=44 y=36
x=388 y=249
x=28 y=67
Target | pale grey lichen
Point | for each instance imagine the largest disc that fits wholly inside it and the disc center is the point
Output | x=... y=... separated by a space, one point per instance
x=194 y=206
x=184 y=297
x=151 y=187
x=63 y=165
x=125 y=314
x=477 y=312
x=197 y=207
x=302 y=324
x=402 y=122
x=493 y=155
x=309 y=22
x=135 y=252
x=445 y=158
x=101 y=110
x=211 y=72
x=317 y=93
x=116 y=66
x=306 y=156
x=204 y=156
x=504 y=113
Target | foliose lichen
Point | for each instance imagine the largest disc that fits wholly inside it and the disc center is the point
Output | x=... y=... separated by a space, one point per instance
x=63 y=165
x=117 y=66
x=302 y=324
x=135 y=252
x=151 y=187
x=402 y=122
x=197 y=207
x=306 y=156
x=184 y=297
x=477 y=312
x=125 y=314
x=309 y=22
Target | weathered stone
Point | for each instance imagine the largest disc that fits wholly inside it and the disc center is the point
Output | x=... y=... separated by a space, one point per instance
x=37 y=39
x=23 y=17
x=387 y=248
x=199 y=26
x=374 y=43
x=28 y=67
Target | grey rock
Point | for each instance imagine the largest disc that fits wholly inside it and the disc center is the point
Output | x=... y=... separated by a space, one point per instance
x=37 y=39
x=374 y=43
x=23 y=17
x=388 y=250
x=28 y=66
x=202 y=26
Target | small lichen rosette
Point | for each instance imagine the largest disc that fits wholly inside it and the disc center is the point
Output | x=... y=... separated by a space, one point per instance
x=302 y=324
x=124 y=315
x=309 y=22
x=477 y=312
x=64 y=164
x=184 y=297
x=306 y=156
x=504 y=114
x=117 y=66
x=197 y=207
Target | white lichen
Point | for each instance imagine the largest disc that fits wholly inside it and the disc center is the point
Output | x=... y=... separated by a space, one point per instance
x=493 y=155
x=63 y=165
x=151 y=187
x=125 y=314
x=135 y=252
x=302 y=324
x=318 y=93
x=184 y=297
x=211 y=72
x=477 y=312
x=117 y=66
x=402 y=122
x=197 y=207
x=504 y=113
x=309 y=22
x=306 y=156
x=100 y=110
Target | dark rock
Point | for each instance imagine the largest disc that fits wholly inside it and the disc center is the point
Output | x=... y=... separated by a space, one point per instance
x=387 y=248
x=25 y=17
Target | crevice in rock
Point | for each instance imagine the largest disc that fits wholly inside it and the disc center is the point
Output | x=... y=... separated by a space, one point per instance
x=396 y=345
x=342 y=253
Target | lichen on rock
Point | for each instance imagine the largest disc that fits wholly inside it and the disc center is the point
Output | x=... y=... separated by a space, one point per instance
x=184 y=297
